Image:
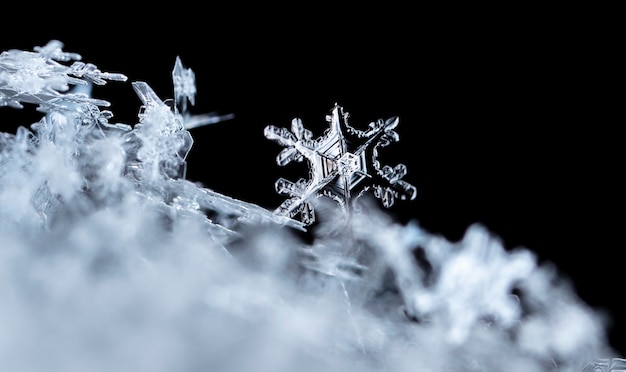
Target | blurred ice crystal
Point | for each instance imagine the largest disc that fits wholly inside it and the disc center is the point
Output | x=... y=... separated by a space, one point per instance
x=343 y=164
x=111 y=260
x=184 y=85
x=606 y=365
x=185 y=90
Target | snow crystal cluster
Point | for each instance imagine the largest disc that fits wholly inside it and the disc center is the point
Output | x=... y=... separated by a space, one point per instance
x=111 y=260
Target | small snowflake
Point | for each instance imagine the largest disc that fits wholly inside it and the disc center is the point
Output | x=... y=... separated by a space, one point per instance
x=184 y=84
x=343 y=164
x=185 y=91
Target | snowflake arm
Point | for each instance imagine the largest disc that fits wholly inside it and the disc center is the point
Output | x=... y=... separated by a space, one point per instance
x=54 y=50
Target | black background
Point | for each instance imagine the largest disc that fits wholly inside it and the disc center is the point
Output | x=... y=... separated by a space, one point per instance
x=508 y=117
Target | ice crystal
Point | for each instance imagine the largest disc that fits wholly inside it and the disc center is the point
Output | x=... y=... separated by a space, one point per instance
x=81 y=151
x=38 y=77
x=606 y=365
x=110 y=259
x=185 y=90
x=343 y=164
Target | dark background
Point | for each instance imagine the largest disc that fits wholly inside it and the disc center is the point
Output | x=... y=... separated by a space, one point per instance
x=509 y=121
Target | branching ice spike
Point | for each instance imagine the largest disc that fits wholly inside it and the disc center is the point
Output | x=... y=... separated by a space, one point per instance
x=38 y=78
x=343 y=164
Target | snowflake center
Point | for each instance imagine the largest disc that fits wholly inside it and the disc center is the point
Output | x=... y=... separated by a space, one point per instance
x=348 y=163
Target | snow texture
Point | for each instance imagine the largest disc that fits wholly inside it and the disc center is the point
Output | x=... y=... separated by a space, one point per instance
x=110 y=260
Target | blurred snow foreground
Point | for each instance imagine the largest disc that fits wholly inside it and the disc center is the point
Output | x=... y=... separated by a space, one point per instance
x=110 y=260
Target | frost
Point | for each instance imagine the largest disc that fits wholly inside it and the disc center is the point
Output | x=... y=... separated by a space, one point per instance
x=343 y=164
x=111 y=260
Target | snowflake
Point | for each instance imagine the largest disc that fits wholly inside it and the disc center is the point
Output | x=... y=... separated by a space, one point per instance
x=343 y=164
x=185 y=90
x=184 y=84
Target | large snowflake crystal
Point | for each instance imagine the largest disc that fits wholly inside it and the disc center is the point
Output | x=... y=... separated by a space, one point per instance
x=343 y=164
